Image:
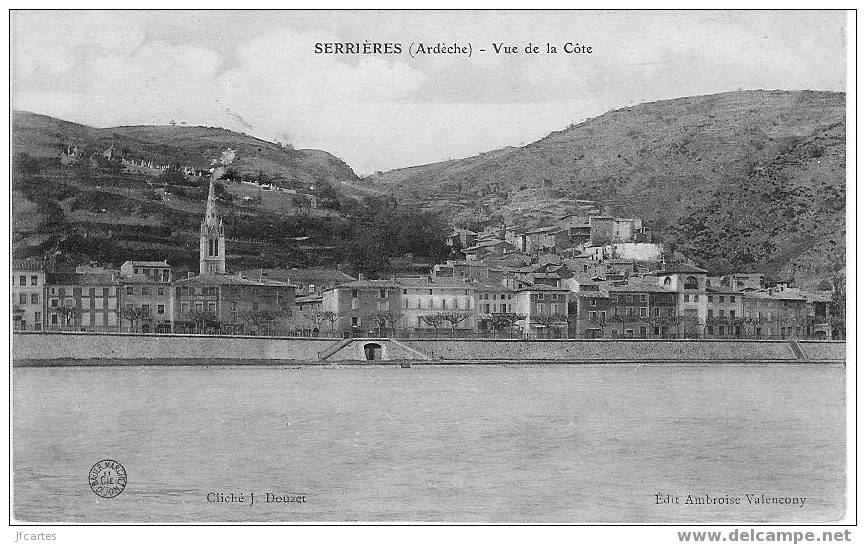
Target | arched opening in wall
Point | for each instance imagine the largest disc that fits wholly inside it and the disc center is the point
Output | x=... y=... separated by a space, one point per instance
x=373 y=351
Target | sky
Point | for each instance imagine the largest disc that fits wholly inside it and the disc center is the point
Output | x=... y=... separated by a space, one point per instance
x=256 y=71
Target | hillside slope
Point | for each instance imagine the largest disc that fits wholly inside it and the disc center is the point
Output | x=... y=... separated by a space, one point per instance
x=750 y=180
x=43 y=136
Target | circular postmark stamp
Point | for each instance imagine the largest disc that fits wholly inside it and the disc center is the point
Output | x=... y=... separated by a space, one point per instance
x=107 y=479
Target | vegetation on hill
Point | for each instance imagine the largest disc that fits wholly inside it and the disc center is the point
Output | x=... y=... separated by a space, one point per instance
x=749 y=181
x=96 y=209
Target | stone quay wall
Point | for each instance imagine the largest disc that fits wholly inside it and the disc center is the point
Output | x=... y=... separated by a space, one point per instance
x=37 y=348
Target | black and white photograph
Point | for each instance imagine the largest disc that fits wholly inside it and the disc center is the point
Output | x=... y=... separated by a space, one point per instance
x=393 y=267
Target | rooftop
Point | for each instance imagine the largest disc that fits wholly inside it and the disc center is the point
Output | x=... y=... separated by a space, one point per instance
x=681 y=268
x=225 y=280
x=70 y=279
x=315 y=275
x=542 y=287
x=162 y=263
x=378 y=284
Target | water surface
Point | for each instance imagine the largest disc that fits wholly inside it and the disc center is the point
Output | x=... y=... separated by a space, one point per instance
x=555 y=443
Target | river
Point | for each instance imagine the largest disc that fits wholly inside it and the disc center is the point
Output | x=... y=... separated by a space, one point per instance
x=554 y=443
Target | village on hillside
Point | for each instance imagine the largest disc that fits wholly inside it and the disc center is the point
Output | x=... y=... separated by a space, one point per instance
x=583 y=274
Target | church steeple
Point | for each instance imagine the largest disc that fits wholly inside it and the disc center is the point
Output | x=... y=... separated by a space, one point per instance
x=212 y=241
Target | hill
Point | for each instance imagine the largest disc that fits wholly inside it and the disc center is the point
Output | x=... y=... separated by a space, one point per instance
x=43 y=136
x=748 y=180
x=300 y=211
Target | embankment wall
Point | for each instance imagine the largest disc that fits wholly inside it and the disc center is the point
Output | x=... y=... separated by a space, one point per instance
x=611 y=350
x=85 y=346
x=215 y=349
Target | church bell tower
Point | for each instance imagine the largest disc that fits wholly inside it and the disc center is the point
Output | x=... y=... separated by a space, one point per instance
x=212 y=240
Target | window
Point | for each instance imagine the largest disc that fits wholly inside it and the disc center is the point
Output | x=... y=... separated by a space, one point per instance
x=686 y=297
x=160 y=309
x=135 y=270
x=354 y=321
x=592 y=302
x=710 y=313
x=539 y=308
x=145 y=308
x=709 y=330
x=691 y=283
x=721 y=313
x=733 y=314
x=22 y=298
x=603 y=315
x=710 y=298
x=211 y=306
x=592 y=315
x=34 y=280
x=643 y=311
x=145 y=290
x=34 y=298
x=184 y=308
x=658 y=311
x=199 y=306
x=160 y=291
x=22 y=280
x=643 y=331
x=129 y=290
x=643 y=298
x=354 y=293
x=733 y=299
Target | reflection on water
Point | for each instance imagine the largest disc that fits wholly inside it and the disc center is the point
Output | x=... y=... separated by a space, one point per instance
x=478 y=443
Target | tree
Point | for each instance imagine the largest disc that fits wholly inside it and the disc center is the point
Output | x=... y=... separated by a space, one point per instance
x=134 y=316
x=385 y=319
x=621 y=319
x=752 y=323
x=836 y=308
x=331 y=317
x=259 y=319
x=434 y=320
x=203 y=318
x=506 y=320
x=454 y=318
x=68 y=315
x=549 y=321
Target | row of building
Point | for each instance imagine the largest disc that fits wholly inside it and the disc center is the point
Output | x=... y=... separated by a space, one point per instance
x=551 y=296
x=548 y=302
